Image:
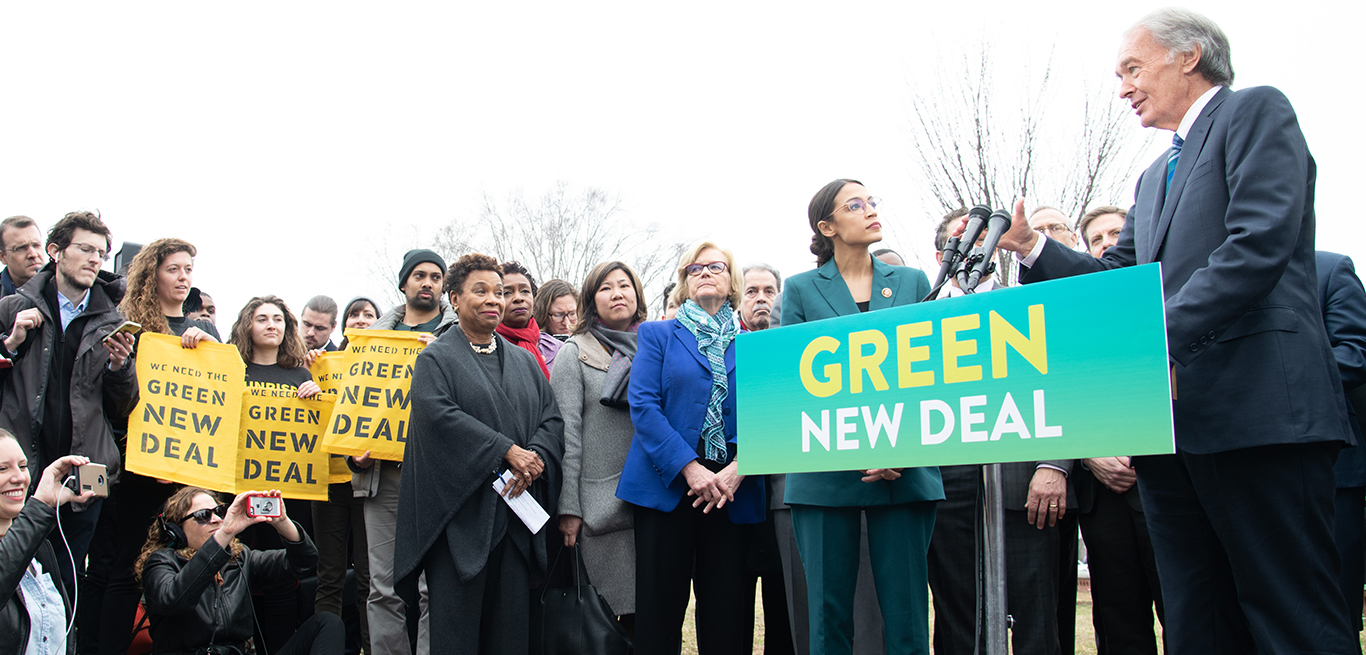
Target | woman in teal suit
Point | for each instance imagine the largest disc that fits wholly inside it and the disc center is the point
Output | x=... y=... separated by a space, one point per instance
x=899 y=503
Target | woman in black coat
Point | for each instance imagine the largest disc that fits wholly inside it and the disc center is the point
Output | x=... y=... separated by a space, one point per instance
x=36 y=613
x=480 y=406
x=197 y=577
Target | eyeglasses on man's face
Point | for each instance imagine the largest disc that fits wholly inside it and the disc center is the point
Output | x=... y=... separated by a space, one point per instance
x=1053 y=229
x=91 y=251
x=24 y=247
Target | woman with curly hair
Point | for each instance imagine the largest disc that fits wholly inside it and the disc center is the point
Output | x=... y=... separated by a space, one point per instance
x=198 y=578
x=159 y=279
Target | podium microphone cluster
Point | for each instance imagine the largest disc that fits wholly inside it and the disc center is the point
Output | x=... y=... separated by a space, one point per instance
x=997 y=225
x=957 y=248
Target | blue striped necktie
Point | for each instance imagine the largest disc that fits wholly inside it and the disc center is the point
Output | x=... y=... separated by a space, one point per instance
x=1173 y=156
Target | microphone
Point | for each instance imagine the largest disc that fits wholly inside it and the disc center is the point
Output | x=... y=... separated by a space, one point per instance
x=947 y=260
x=997 y=225
x=977 y=217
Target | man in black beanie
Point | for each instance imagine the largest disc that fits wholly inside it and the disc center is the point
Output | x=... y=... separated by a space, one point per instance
x=425 y=309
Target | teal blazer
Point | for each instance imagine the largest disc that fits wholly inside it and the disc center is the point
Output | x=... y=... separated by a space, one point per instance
x=822 y=293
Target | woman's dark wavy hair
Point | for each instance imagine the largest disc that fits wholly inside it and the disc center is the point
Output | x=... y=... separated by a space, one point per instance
x=140 y=303
x=821 y=207
x=588 y=299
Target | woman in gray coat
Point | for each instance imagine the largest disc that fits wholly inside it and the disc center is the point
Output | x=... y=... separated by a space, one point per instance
x=590 y=378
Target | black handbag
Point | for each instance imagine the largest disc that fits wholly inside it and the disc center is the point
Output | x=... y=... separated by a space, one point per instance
x=576 y=620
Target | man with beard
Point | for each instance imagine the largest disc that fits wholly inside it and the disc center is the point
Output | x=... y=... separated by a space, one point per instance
x=424 y=310
x=65 y=373
x=317 y=322
x=21 y=251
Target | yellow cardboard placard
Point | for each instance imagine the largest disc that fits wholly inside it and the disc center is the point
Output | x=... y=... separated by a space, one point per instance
x=281 y=443
x=372 y=404
x=328 y=370
x=184 y=428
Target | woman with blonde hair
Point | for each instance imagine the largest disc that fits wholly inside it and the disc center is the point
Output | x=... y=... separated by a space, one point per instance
x=693 y=512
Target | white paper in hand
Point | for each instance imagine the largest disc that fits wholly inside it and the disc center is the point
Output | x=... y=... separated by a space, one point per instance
x=524 y=506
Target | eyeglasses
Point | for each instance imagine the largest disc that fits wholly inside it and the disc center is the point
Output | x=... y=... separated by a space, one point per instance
x=694 y=270
x=91 y=250
x=859 y=205
x=1054 y=229
x=24 y=247
x=204 y=516
x=561 y=316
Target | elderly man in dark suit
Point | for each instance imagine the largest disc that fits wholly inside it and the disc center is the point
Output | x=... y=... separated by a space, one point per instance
x=1241 y=516
x=1344 y=317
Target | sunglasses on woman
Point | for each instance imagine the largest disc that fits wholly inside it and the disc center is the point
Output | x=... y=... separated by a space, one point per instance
x=203 y=516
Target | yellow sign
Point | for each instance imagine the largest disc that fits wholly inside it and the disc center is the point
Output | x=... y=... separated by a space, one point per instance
x=328 y=370
x=372 y=404
x=281 y=443
x=185 y=426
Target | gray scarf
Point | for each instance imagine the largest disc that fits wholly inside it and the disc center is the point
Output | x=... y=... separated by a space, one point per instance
x=622 y=345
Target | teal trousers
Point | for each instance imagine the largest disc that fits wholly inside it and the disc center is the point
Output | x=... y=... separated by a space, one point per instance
x=898 y=543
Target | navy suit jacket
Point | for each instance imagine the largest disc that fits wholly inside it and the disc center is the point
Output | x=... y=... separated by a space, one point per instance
x=670 y=386
x=1235 y=236
x=1344 y=317
x=820 y=294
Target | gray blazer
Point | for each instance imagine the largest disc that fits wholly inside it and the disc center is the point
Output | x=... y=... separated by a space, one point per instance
x=596 y=438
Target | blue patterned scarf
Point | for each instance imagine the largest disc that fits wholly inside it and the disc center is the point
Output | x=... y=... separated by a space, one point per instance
x=714 y=335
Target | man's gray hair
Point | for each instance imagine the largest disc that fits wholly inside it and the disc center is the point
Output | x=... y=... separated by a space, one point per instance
x=765 y=267
x=1181 y=30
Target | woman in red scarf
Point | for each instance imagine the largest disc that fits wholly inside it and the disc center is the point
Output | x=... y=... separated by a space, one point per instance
x=518 y=326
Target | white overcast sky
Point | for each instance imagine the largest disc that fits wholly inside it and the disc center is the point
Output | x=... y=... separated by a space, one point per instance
x=289 y=140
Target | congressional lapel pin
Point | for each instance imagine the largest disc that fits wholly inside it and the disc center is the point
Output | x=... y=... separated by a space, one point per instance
x=886 y=293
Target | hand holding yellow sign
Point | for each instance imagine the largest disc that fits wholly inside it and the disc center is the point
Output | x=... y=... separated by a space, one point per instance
x=372 y=404
x=185 y=427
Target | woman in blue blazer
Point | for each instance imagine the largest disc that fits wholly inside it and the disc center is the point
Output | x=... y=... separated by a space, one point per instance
x=692 y=512
x=899 y=503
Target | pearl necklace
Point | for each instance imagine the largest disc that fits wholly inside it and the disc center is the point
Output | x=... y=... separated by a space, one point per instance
x=485 y=350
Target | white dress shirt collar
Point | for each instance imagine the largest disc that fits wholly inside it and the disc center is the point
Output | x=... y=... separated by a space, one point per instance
x=1194 y=112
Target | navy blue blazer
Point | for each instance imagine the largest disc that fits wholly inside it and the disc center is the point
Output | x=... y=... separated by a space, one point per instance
x=670 y=386
x=822 y=293
x=1344 y=317
x=1235 y=236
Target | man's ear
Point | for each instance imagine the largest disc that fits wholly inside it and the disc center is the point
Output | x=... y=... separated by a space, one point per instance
x=1191 y=59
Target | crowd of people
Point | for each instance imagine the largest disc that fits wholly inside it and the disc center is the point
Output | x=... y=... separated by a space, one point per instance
x=624 y=428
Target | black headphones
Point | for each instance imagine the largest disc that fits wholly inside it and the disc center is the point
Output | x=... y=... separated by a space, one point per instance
x=174 y=531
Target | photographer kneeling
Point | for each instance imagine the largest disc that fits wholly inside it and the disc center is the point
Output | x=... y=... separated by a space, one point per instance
x=36 y=612
x=197 y=577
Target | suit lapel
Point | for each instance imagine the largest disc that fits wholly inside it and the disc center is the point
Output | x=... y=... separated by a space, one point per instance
x=690 y=344
x=833 y=289
x=1151 y=191
x=884 y=277
x=1190 y=154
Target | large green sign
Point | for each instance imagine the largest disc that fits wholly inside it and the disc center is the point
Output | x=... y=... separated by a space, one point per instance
x=1057 y=370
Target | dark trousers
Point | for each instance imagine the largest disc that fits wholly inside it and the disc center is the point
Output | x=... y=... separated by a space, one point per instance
x=867 y=614
x=339 y=533
x=898 y=541
x=1031 y=573
x=683 y=547
x=1244 y=546
x=77 y=529
x=764 y=562
x=322 y=634
x=1068 y=536
x=1124 y=584
x=1350 y=504
x=488 y=615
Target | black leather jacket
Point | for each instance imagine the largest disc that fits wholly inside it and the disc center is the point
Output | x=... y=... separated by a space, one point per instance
x=190 y=611
x=25 y=540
